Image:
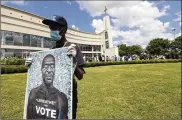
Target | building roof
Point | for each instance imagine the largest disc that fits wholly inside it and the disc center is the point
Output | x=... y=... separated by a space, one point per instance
x=45 y=18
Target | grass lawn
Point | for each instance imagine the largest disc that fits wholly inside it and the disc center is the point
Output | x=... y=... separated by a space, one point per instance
x=124 y=91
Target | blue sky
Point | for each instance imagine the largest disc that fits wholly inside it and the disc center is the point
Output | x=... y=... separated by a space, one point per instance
x=71 y=12
x=88 y=17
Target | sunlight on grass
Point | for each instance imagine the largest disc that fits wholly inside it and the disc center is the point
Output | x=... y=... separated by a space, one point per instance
x=124 y=91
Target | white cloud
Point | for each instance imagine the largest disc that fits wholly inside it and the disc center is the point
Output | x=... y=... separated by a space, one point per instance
x=142 y=16
x=166 y=7
x=145 y=33
x=96 y=8
x=68 y=2
x=98 y=25
x=74 y=27
x=19 y=2
x=178 y=18
x=136 y=15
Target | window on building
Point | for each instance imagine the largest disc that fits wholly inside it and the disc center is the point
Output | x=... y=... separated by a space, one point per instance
x=18 y=53
x=26 y=40
x=48 y=43
x=9 y=52
x=107 y=44
x=53 y=43
x=1 y=33
x=8 y=38
x=84 y=47
x=96 y=48
x=39 y=41
x=99 y=54
x=25 y=53
x=88 y=56
x=106 y=35
x=89 y=47
x=18 y=39
x=33 y=39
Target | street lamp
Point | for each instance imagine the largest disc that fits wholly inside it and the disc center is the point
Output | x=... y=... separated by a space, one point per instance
x=174 y=32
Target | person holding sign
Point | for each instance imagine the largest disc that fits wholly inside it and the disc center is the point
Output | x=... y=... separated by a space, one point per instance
x=45 y=101
x=58 y=26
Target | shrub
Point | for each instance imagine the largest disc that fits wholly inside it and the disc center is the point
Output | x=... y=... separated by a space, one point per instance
x=94 y=64
x=21 y=68
x=13 y=69
x=12 y=61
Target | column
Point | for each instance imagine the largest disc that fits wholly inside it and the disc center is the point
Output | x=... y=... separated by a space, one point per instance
x=2 y=53
x=42 y=43
x=2 y=38
x=92 y=53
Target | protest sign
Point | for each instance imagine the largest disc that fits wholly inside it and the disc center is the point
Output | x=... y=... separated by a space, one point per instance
x=49 y=85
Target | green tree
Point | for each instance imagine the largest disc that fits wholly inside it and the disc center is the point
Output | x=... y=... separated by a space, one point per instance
x=129 y=50
x=178 y=44
x=158 y=46
x=122 y=49
x=175 y=48
x=135 y=49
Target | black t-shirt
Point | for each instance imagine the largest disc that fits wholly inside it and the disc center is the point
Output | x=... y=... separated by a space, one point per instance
x=47 y=104
x=79 y=57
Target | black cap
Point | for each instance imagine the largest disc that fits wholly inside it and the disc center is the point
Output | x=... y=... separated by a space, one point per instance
x=56 y=20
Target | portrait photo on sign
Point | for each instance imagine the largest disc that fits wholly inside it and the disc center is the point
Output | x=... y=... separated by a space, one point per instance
x=49 y=85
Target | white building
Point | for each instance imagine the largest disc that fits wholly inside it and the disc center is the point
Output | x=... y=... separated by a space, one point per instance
x=23 y=32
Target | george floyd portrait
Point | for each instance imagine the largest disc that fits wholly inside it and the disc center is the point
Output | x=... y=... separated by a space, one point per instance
x=45 y=101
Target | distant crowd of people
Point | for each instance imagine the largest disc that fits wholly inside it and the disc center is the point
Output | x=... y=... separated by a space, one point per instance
x=121 y=58
x=107 y=58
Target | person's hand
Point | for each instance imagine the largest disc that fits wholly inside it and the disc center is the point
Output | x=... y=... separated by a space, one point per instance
x=28 y=61
x=79 y=73
x=72 y=50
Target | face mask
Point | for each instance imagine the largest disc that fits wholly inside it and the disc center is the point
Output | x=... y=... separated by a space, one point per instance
x=55 y=35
